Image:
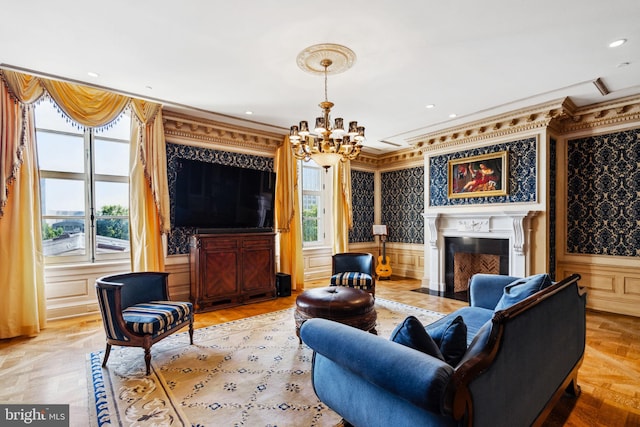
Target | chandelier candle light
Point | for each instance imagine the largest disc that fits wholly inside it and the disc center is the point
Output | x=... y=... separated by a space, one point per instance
x=326 y=145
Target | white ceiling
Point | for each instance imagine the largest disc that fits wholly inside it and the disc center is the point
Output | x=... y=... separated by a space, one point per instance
x=223 y=58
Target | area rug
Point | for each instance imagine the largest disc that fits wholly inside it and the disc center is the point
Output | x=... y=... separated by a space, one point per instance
x=249 y=372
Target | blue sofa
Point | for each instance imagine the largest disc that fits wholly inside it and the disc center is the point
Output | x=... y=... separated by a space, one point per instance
x=525 y=341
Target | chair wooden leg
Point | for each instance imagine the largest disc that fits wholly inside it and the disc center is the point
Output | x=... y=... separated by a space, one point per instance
x=147 y=359
x=191 y=331
x=106 y=355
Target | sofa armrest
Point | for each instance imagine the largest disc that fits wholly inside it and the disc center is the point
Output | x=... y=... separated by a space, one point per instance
x=416 y=377
x=485 y=290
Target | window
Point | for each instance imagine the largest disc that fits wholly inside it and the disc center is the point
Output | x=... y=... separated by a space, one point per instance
x=84 y=188
x=315 y=200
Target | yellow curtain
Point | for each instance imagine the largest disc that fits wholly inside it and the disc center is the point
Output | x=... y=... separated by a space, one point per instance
x=288 y=215
x=21 y=264
x=148 y=188
x=22 y=306
x=86 y=105
x=342 y=212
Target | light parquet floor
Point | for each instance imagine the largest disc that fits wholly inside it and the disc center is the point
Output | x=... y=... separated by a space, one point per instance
x=50 y=368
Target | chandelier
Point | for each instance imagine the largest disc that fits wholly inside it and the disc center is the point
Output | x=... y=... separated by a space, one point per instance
x=326 y=144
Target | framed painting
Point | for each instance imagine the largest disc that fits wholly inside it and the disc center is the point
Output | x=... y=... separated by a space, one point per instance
x=478 y=176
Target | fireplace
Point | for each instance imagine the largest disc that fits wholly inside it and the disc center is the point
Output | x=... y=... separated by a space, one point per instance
x=494 y=242
x=466 y=256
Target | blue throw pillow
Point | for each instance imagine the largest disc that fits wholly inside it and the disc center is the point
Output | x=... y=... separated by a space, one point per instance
x=451 y=338
x=447 y=342
x=520 y=289
x=412 y=334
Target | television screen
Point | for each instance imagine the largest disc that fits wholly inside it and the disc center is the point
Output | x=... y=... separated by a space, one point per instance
x=214 y=196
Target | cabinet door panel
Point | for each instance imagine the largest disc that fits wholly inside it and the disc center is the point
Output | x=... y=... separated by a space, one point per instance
x=220 y=275
x=257 y=270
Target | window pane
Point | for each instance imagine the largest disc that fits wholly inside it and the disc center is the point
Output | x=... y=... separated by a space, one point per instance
x=310 y=206
x=62 y=197
x=60 y=152
x=112 y=235
x=63 y=237
x=309 y=230
x=120 y=129
x=112 y=157
x=311 y=179
x=112 y=198
x=48 y=117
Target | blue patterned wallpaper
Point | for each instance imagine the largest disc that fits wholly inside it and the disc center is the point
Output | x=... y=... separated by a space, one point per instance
x=522 y=174
x=402 y=195
x=603 y=183
x=362 y=190
x=178 y=239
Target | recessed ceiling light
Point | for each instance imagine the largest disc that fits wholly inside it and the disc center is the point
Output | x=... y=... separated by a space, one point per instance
x=248 y=113
x=617 y=43
x=623 y=64
x=430 y=105
x=452 y=115
x=92 y=74
x=149 y=87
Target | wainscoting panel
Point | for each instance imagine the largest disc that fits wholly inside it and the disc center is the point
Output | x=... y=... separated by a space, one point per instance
x=609 y=288
x=632 y=286
x=179 y=279
x=406 y=260
x=70 y=289
x=317 y=263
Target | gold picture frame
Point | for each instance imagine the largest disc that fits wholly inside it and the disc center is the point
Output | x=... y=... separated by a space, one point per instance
x=478 y=176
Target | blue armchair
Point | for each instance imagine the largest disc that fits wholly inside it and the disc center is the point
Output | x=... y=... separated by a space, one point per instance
x=136 y=311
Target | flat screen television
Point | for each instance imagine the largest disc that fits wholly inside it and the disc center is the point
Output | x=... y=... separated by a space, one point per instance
x=218 y=198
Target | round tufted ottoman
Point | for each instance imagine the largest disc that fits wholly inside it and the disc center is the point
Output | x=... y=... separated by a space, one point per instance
x=353 y=307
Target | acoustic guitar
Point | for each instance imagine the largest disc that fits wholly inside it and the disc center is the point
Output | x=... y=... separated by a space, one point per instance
x=383 y=269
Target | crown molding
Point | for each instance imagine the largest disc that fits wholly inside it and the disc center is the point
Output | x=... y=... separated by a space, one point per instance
x=619 y=111
x=403 y=158
x=224 y=135
x=561 y=116
x=523 y=120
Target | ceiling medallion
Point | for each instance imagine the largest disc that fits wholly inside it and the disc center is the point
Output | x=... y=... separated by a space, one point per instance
x=326 y=145
x=310 y=60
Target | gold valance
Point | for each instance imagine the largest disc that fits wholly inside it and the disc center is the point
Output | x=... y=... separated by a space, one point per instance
x=91 y=107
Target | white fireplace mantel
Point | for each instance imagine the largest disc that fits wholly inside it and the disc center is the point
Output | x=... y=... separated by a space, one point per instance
x=512 y=225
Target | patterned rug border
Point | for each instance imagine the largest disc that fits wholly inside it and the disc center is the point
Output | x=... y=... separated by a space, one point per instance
x=100 y=413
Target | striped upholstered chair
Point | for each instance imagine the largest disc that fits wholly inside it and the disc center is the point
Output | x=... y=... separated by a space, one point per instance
x=355 y=270
x=136 y=311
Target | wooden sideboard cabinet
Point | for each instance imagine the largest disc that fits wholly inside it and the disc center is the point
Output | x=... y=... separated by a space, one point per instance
x=231 y=269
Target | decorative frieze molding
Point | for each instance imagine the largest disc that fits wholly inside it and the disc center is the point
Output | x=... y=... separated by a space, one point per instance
x=477 y=225
x=208 y=132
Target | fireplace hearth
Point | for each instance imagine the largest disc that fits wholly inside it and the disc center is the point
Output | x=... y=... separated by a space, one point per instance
x=466 y=256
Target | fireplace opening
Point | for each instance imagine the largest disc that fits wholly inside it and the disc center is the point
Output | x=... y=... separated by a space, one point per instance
x=466 y=256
